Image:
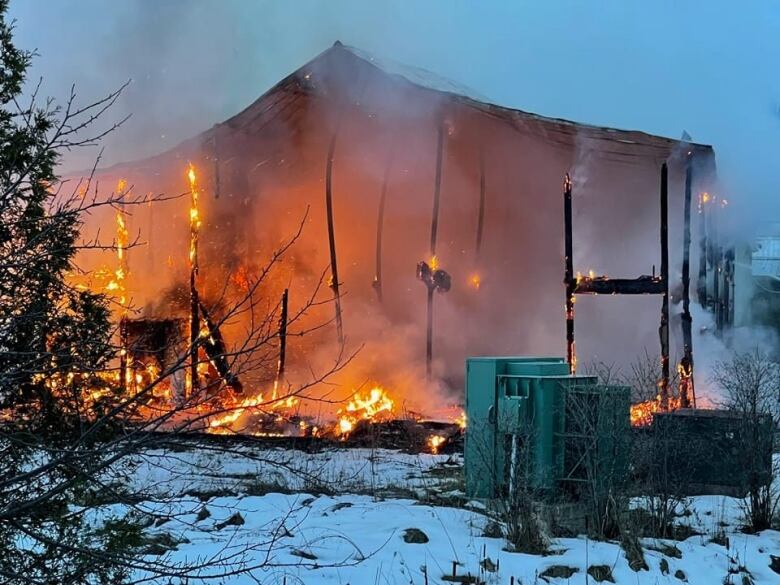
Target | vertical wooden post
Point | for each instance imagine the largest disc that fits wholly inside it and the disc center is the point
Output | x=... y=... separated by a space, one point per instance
x=568 y=277
x=194 y=299
x=687 y=392
x=380 y=221
x=663 y=330
x=282 y=342
x=434 y=232
x=437 y=186
x=334 y=271
x=701 y=285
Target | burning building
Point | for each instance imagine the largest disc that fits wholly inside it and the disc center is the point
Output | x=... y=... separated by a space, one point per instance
x=398 y=177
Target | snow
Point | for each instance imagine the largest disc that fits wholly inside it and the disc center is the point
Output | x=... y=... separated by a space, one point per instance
x=350 y=529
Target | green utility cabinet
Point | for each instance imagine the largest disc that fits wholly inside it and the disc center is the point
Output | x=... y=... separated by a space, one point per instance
x=519 y=412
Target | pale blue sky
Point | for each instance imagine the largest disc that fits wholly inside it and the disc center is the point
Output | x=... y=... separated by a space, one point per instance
x=661 y=66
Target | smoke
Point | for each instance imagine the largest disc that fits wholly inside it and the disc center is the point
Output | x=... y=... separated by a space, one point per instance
x=708 y=69
x=711 y=349
x=663 y=68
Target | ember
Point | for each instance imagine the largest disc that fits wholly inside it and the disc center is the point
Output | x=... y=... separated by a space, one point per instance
x=435 y=442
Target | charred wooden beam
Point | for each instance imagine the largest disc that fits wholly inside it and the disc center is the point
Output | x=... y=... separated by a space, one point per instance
x=602 y=285
x=123 y=351
x=568 y=278
x=687 y=389
x=663 y=330
x=216 y=350
x=194 y=269
x=437 y=186
x=282 y=340
x=334 y=271
x=194 y=330
x=701 y=284
x=380 y=222
x=433 y=269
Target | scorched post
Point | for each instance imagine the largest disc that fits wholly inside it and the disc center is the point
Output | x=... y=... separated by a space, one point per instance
x=663 y=330
x=334 y=271
x=194 y=300
x=687 y=388
x=568 y=278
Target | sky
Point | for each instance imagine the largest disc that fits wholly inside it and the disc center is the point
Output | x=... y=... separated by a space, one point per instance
x=709 y=68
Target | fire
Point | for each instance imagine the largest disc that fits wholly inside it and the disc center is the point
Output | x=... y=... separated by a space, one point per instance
x=475 y=281
x=434 y=263
x=642 y=413
x=116 y=284
x=194 y=215
x=460 y=420
x=372 y=406
x=435 y=442
x=222 y=424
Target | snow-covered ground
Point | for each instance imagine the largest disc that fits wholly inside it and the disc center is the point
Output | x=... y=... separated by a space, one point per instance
x=344 y=516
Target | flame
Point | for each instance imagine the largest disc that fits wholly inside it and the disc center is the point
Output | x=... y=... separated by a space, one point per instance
x=117 y=283
x=475 y=281
x=460 y=420
x=434 y=263
x=222 y=425
x=642 y=413
x=372 y=406
x=435 y=442
x=195 y=220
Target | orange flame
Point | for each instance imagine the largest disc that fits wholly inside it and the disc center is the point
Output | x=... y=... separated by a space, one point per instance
x=642 y=413
x=435 y=442
x=222 y=425
x=195 y=221
x=372 y=406
x=117 y=283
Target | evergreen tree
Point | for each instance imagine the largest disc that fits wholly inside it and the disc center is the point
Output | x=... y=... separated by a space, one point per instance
x=53 y=338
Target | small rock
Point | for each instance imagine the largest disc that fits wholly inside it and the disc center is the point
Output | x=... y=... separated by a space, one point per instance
x=493 y=530
x=664 y=566
x=415 y=536
x=601 y=573
x=303 y=554
x=235 y=520
x=774 y=563
x=203 y=513
x=558 y=572
x=680 y=575
x=488 y=565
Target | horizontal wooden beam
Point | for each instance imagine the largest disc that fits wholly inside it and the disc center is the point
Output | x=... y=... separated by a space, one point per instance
x=601 y=285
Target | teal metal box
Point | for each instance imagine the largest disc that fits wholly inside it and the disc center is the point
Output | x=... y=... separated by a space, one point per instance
x=521 y=403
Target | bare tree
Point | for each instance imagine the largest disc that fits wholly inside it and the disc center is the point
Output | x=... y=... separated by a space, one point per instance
x=750 y=383
x=67 y=425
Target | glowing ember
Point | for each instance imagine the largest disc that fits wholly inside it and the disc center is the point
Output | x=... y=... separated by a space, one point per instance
x=435 y=442
x=475 y=281
x=373 y=406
